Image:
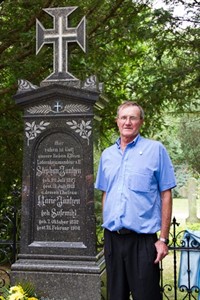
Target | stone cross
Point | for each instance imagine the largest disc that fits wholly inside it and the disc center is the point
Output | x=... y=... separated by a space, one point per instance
x=60 y=36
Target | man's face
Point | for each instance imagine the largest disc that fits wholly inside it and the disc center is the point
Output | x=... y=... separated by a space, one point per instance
x=129 y=122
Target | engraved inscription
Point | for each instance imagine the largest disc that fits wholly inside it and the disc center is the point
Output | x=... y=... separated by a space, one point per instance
x=58 y=176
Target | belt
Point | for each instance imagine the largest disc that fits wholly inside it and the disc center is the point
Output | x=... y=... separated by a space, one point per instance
x=124 y=231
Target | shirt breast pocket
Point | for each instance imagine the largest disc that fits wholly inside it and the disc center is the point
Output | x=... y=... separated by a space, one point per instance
x=139 y=182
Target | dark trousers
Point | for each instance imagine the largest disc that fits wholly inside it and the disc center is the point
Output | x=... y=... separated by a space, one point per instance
x=130 y=266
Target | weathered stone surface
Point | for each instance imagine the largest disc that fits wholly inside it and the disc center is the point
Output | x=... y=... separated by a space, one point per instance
x=62 y=280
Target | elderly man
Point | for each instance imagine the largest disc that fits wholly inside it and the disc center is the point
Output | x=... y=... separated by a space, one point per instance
x=136 y=176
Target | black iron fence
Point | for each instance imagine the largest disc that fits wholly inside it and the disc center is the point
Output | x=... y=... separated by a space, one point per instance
x=182 y=267
x=184 y=253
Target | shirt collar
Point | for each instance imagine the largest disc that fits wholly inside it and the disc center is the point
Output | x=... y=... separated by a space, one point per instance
x=118 y=141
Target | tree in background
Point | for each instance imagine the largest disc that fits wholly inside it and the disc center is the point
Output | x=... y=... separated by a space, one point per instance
x=189 y=135
x=140 y=53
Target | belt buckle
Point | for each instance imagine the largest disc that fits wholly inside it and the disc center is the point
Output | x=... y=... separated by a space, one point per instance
x=123 y=231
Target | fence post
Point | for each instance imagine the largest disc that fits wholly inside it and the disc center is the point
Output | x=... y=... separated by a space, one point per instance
x=174 y=223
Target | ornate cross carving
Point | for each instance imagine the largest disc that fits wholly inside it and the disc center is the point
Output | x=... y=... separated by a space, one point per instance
x=58 y=106
x=60 y=36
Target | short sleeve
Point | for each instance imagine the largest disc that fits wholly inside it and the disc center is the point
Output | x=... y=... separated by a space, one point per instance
x=101 y=182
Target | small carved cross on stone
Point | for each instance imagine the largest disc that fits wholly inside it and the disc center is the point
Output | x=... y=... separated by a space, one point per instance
x=60 y=36
x=58 y=106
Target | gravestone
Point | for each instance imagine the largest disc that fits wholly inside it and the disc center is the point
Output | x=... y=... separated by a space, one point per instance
x=190 y=191
x=58 y=235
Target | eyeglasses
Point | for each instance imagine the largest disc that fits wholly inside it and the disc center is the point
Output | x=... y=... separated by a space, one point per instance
x=130 y=118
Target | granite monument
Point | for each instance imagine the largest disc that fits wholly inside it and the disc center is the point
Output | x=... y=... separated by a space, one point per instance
x=58 y=243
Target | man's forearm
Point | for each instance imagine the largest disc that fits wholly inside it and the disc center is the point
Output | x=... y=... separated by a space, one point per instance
x=103 y=199
x=166 y=213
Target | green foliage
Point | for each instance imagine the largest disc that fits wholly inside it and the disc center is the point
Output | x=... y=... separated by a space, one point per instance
x=190 y=140
x=137 y=52
x=98 y=213
x=20 y=291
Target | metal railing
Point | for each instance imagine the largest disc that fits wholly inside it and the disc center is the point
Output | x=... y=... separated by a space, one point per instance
x=183 y=249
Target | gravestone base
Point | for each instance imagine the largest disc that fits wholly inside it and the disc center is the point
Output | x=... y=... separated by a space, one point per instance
x=60 y=280
x=192 y=219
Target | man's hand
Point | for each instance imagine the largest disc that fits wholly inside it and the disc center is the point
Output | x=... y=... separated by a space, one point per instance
x=162 y=251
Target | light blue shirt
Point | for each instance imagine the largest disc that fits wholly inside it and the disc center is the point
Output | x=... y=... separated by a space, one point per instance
x=133 y=181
